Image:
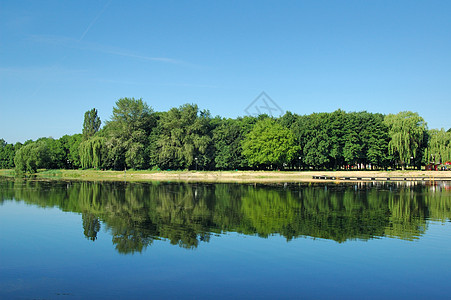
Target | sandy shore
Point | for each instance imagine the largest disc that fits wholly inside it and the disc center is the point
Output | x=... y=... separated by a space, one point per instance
x=226 y=176
x=252 y=176
x=269 y=176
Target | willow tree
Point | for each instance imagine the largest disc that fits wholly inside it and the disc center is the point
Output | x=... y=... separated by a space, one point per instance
x=32 y=156
x=407 y=131
x=439 y=146
x=91 y=152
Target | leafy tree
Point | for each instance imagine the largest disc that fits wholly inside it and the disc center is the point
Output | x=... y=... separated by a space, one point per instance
x=316 y=151
x=91 y=155
x=32 y=156
x=7 y=153
x=227 y=138
x=313 y=139
x=365 y=139
x=335 y=140
x=184 y=134
x=56 y=152
x=439 y=146
x=2 y=154
x=127 y=134
x=407 y=131
x=269 y=143
x=130 y=115
x=288 y=119
x=185 y=137
x=376 y=140
x=91 y=123
x=71 y=145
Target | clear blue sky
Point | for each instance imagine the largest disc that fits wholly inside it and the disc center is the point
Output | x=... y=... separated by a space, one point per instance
x=59 y=59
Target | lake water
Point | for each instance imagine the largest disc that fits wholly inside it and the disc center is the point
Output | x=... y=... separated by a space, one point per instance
x=78 y=240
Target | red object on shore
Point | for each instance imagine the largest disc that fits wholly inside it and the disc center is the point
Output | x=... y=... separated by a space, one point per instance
x=431 y=167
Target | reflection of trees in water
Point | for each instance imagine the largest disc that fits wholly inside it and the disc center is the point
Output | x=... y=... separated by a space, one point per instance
x=186 y=214
x=408 y=212
x=91 y=226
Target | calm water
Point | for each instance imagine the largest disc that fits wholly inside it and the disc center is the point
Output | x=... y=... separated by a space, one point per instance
x=76 y=240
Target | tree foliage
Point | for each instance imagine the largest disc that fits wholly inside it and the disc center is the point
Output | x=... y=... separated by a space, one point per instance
x=130 y=115
x=7 y=153
x=126 y=135
x=184 y=138
x=187 y=137
x=439 y=146
x=32 y=156
x=91 y=123
x=70 y=145
x=91 y=153
x=227 y=137
x=269 y=143
x=407 y=132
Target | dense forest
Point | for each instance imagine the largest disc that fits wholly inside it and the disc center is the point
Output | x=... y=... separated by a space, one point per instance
x=186 y=137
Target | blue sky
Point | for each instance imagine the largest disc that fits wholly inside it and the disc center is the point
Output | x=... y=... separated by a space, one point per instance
x=59 y=59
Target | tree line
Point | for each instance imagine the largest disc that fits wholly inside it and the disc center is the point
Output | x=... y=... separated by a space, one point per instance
x=137 y=137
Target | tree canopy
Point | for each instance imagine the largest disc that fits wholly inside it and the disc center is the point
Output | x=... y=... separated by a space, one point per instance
x=269 y=143
x=189 y=138
x=91 y=123
x=439 y=146
x=407 y=131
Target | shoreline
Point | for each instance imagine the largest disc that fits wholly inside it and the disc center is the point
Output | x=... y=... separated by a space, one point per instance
x=230 y=176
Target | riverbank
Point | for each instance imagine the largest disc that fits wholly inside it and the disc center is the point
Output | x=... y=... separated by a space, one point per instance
x=223 y=176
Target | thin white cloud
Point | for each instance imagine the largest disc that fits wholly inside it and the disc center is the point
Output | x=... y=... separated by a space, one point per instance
x=191 y=85
x=38 y=72
x=142 y=57
x=94 y=20
x=81 y=45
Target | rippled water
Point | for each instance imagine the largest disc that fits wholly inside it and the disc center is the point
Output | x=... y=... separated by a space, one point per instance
x=173 y=240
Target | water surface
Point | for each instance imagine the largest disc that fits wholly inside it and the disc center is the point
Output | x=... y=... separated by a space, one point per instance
x=74 y=240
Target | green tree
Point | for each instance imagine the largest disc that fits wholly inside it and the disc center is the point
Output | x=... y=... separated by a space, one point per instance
x=269 y=143
x=184 y=135
x=313 y=137
x=91 y=155
x=439 y=146
x=376 y=141
x=7 y=153
x=91 y=123
x=127 y=134
x=130 y=115
x=2 y=154
x=32 y=156
x=71 y=145
x=227 y=137
x=56 y=152
x=407 y=132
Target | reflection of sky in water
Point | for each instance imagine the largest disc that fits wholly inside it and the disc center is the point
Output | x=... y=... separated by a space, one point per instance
x=44 y=254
